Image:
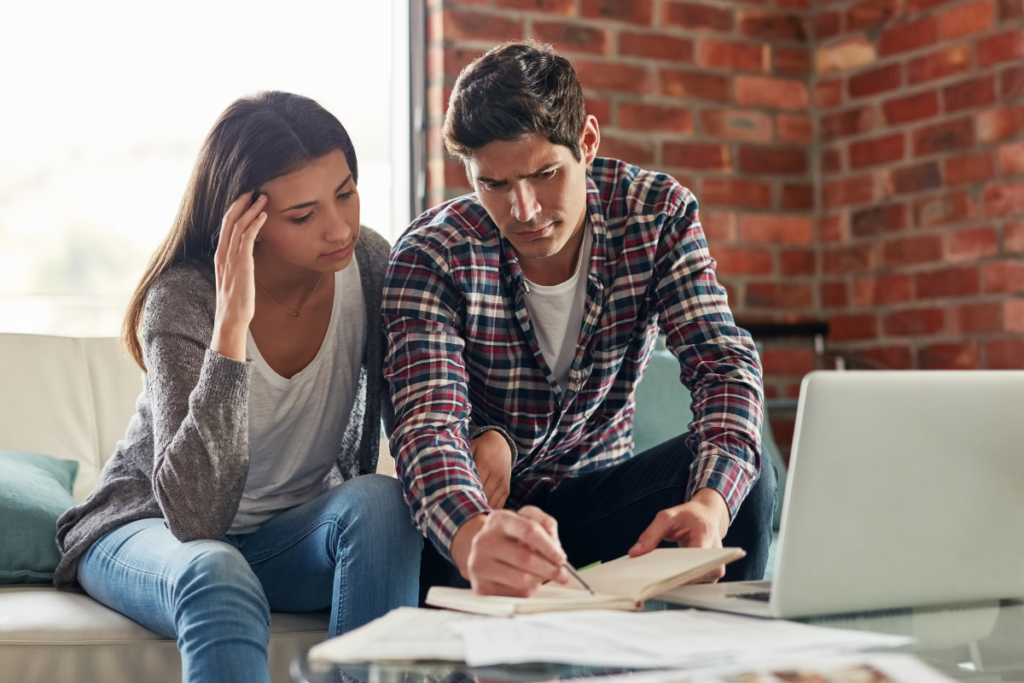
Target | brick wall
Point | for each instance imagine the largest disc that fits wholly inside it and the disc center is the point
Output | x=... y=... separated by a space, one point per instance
x=921 y=120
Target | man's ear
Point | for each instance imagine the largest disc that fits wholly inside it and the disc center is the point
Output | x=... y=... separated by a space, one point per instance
x=590 y=139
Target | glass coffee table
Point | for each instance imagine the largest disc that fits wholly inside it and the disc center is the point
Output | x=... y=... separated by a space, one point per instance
x=982 y=643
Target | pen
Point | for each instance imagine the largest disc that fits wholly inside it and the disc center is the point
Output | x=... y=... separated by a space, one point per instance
x=576 y=575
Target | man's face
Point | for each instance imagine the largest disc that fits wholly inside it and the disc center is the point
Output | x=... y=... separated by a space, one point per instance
x=535 y=191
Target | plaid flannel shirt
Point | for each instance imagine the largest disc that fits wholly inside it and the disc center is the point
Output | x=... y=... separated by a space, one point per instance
x=463 y=355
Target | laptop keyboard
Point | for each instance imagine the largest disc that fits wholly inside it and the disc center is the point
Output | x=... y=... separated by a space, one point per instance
x=760 y=596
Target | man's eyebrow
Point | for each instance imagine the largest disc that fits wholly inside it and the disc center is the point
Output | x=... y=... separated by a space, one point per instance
x=542 y=169
x=305 y=204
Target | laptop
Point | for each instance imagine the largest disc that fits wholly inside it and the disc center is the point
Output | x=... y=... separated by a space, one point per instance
x=905 y=489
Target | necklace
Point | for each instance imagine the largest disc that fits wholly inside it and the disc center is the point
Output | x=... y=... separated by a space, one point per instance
x=283 y=307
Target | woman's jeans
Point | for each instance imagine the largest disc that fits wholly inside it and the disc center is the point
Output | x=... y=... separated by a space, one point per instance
x=353 y=549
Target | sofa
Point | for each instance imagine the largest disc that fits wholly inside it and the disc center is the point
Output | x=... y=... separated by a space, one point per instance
x=71 y=399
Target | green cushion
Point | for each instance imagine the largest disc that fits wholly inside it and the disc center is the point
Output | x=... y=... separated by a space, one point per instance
x=34 y=491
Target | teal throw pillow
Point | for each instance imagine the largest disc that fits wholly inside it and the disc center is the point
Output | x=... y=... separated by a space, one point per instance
x=34 y=491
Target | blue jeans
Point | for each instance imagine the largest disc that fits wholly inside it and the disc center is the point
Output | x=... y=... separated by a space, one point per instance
x=353 y=549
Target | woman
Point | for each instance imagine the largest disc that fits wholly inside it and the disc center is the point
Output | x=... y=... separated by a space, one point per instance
x=257 y=325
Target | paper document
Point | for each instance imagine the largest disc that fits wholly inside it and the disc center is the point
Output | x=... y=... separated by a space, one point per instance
x=405 y=634
x=672 y=638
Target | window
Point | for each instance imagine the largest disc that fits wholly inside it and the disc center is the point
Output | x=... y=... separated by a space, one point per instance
x=107 y=103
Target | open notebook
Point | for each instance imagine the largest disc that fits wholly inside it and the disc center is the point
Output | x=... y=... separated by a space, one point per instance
x=622 y=584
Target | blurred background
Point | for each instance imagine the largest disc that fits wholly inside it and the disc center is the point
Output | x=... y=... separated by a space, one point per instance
x=859 y=163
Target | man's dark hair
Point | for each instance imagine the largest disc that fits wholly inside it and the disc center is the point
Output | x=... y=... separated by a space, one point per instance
x=514 y=90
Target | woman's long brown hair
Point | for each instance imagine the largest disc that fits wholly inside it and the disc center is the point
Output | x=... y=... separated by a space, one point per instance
x=255 y=140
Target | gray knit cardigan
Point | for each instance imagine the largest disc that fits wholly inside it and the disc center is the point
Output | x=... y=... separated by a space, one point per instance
x=185 y=456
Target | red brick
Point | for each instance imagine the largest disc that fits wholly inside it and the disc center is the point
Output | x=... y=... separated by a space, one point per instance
x=971 y=245
x=876 y=151
x=779 y=93
x=944 y=137
x=833 y=295
x=1005 y=354
x=1011 y=82
x=630 y=151
x=883 y=290
x=793 y=4
x=654 y=117
x=791 y=61
x=851 y=53
x=1013 y=238
x=616 y=77
x=832 y=160
x=979 y=318
x=463 y=25
x=949 y=282
x=797 y=262
x=776 y=229
x=1002 y=47
x=827 y=24
x=939 y=64
x=852 y=327
x=694 y=85
x=570 y=37
x=894 y=357
x=977 y=92
x=922 y=5
x=912 y=250
x=1013 y=315
x=565 y=7
x=855 y=259
x=737 y=124
x=779 y=295
x=949 y=356
x=655 y=46
x=909 y=36
x=696 y=155
x=914 y=322
x=878 y=219
x=739 y=261
x=794 y=128
x=796 y=197
x=773 y=160
x=723 y=54
x=629 y=11
x=913 y=179
x=1011 y=159
x=828 y=94
x=773 y=26
x=600 y=109
x=719 y=226
x=833 y=228
x=736 y=192
x=920 y=105
x=1002 y=277
x=847 y=122
x=452 y=61
x=998 y=124
x=876 y=81
x=963 y=20
x=951 y=207
x=871 y=13
x=969 y=168
x=1004 y=200
x=1011 y=9
x=693 y=16
x=787 y=361
x=854 y=190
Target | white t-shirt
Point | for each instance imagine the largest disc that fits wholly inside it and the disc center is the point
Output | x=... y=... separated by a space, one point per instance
x=557 y=314
x=296 y=424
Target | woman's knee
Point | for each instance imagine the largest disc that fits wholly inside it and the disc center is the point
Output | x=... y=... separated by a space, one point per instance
x=373 y=505
x=216 y=578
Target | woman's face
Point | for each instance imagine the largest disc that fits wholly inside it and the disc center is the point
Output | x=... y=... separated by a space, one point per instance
x=312 y=215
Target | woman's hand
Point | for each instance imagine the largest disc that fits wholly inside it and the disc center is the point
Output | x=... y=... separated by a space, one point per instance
x=494 y=464
x=236 y=283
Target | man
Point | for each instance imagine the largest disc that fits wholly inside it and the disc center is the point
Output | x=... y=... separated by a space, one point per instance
x=527 y=312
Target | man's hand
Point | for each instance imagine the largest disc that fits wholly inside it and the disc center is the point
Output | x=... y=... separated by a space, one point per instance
x=700 y=523
x=509 y=553
x=493 y=460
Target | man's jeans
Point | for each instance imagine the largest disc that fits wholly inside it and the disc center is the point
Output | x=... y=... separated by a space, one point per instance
x=353 y=549
x=601 y=514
